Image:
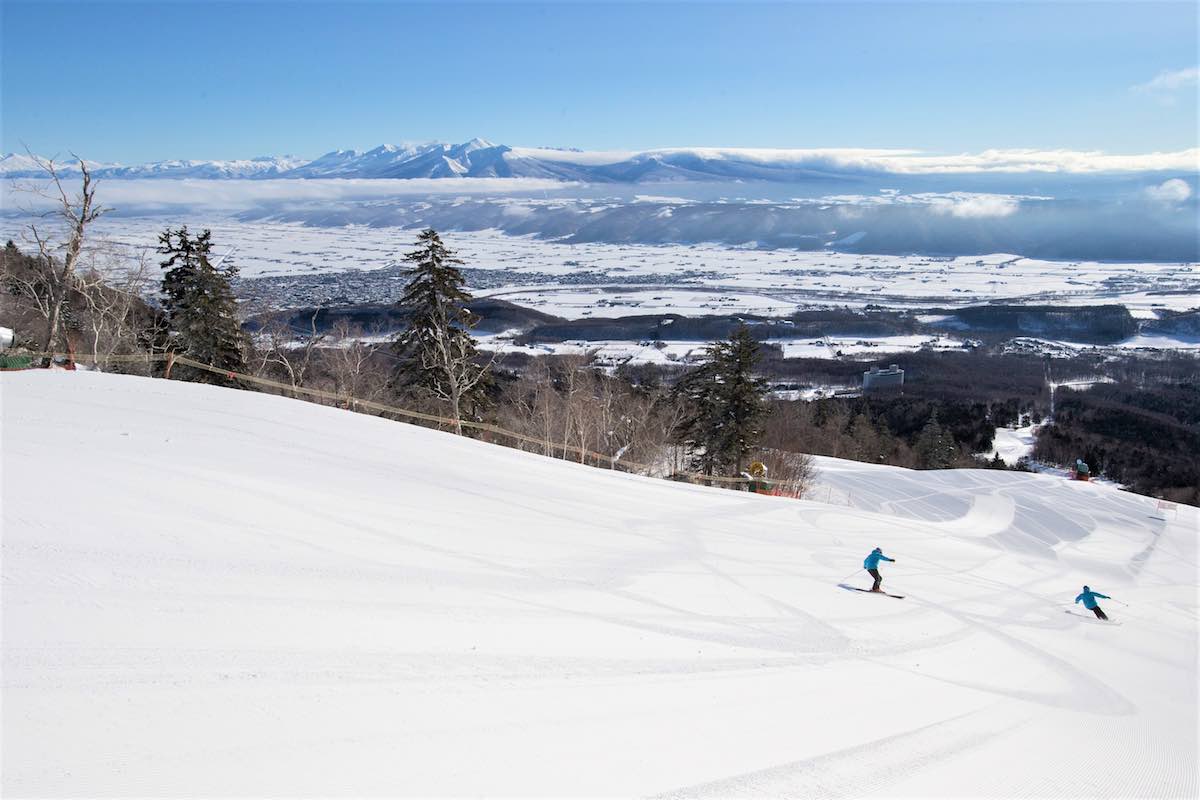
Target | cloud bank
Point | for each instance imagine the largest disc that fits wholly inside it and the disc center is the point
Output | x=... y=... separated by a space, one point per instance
x=902 y=162
x=227 y=194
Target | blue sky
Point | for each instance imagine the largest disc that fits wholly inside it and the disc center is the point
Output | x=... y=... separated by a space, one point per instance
x=142 y=81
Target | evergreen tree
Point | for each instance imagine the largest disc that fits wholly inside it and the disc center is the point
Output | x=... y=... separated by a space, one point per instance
x=437 y=354
x=935 y=448
x=726 y=405
x=699 y=390
x=199 y=304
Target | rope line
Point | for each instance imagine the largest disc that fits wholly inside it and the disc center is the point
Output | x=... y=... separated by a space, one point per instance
x=352 y=403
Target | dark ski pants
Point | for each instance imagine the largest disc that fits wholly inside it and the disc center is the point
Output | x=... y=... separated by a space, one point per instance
x=878 y=579
x=1099 y=614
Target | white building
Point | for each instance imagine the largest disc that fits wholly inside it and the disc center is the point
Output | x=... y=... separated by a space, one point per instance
x=890 y=378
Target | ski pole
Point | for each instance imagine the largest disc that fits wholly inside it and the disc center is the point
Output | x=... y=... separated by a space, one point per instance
x=851 y=575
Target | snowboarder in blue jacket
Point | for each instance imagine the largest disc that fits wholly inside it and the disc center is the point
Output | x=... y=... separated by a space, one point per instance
x=1089 y=602
x=871 y=565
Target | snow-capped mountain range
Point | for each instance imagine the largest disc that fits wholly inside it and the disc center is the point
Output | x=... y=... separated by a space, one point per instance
x=476 y=158
x=479 y=158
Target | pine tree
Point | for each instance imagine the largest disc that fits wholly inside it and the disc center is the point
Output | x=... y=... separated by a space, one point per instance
x=726 y=405
x=199 y=303
x=437 y=354
x=700 y=392
x=935 y=448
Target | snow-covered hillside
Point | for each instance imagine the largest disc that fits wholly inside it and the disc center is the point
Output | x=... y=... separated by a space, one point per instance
x=210 y=592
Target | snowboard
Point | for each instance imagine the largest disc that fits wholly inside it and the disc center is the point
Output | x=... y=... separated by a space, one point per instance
x=868 y=591
x=1091 y=618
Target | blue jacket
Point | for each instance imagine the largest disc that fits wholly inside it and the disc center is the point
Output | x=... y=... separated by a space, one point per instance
x=1089 y=598
x=872 y=561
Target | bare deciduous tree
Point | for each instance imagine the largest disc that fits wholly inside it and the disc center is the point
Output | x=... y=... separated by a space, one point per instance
x=569 y=406
x=576 y=380
x=291 y=350
x=59 y=246
x=111 y=297
x=454 y=357
x=349 y=358
x=792 y=474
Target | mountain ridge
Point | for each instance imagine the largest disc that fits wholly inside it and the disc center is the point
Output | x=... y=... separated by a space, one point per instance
x=480 y=158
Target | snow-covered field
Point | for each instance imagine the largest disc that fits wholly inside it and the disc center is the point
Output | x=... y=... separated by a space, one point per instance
x=1153 y=342
x=620 y=352
x=831 y=346
x=209 y=592
x=612 y=353
x=577 y=280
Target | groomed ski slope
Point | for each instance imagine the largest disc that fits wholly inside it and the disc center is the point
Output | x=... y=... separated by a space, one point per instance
x=209 y=592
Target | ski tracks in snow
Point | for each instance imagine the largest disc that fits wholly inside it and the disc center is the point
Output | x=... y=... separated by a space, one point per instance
x=865 y=768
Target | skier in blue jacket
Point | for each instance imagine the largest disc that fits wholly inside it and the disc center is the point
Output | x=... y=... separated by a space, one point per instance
x=1089 y=602
x=871 y=565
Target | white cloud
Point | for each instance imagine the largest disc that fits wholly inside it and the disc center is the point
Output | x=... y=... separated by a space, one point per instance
x=1017 y=161
x=1171 y=80
x=1170 y=192
x=956 y=204
x=914 y=162
x=229 y=194
x=979 y=205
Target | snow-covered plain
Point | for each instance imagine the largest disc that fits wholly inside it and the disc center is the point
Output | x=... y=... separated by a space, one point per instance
x=604 y=353
x=832 y=346
x=209 y=592
x=606 y=280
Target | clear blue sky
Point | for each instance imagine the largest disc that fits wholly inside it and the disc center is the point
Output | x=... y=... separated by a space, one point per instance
x=141 y=81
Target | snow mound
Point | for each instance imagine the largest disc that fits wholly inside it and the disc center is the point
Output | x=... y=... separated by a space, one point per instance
x=212 y=592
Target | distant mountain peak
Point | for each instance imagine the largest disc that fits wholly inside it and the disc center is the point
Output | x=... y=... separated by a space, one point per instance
x=476 y=144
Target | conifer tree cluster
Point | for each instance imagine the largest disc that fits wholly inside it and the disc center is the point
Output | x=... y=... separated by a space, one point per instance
x=726 y=405
x=437 y=354
x=935 y=448
x=199 y=303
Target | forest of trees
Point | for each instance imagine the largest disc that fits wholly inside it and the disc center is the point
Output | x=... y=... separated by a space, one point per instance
x=1146 y=439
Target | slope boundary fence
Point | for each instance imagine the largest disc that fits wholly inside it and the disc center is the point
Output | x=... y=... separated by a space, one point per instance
x=348 y=402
